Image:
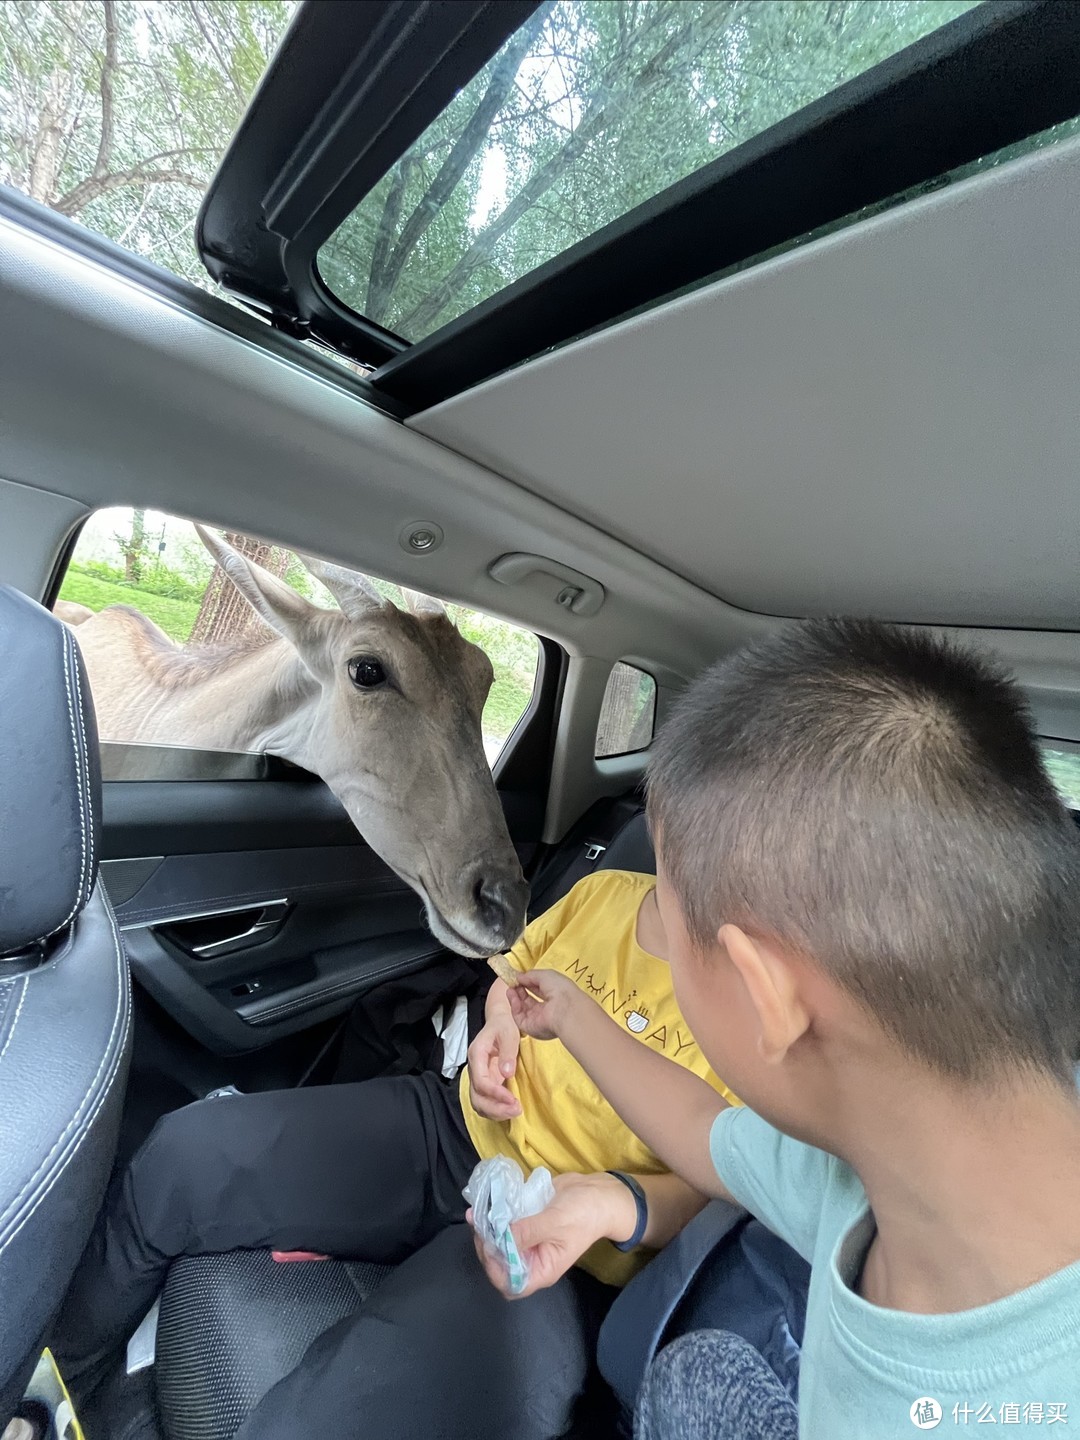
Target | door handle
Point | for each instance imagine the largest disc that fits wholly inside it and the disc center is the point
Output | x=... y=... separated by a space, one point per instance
x=212 y=933
x=578 y=593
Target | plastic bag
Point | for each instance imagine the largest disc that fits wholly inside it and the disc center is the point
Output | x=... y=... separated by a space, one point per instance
x=499 y=1194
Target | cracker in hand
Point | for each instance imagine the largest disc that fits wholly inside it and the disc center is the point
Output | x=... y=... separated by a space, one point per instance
x=503 y=969
x=506 y=972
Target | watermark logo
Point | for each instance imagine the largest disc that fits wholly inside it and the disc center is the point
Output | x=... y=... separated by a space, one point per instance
x=927 y=1414
x=1011 y=1412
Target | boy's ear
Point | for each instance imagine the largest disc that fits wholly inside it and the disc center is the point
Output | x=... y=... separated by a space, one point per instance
x=771 y=985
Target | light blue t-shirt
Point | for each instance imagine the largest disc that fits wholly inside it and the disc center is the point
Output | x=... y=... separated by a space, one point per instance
x=1015 y=1362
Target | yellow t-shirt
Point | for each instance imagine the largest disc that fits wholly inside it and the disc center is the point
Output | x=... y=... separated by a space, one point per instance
x=566 y=1124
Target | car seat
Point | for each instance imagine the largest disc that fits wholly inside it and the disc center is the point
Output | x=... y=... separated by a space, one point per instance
x=64 y=994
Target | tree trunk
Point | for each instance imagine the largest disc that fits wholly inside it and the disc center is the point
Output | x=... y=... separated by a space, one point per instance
x=386 y=263
x=135 y=548
x=224 y=615
x=46 y=148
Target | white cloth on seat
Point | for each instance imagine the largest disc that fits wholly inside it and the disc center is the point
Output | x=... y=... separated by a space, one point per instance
x=453 y=1030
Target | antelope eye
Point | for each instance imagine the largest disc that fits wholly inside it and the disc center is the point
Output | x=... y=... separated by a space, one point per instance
x=366 y=673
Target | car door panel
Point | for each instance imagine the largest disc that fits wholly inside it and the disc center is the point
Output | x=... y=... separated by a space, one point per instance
x=298 y=994
x=183 y=886
x=191 y=864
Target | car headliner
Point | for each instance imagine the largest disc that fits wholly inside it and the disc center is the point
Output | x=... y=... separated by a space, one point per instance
x=885 y=421
x=881 y=421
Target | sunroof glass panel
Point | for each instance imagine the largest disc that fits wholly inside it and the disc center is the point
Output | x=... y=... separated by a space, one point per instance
x=590 y=109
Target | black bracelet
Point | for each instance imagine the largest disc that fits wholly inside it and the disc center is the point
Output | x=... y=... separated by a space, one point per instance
x=642 y=1212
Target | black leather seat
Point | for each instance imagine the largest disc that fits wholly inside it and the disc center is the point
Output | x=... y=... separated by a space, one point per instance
x=64 y=998
x=631 y=849
x=232 y=1325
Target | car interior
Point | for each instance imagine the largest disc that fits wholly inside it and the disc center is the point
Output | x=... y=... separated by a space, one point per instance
x=832 y=370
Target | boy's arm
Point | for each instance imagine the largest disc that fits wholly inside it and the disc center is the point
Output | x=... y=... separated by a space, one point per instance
x=663 y=1103
x=672 y=1205
x=588 y=1208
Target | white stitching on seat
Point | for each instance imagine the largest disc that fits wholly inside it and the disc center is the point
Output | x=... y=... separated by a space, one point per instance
x=81 y=778
x=118 y=1054
x=18 y=1012
x=115 y=1053
x=90 y=1089
x=87 y=884
x=85 y=1131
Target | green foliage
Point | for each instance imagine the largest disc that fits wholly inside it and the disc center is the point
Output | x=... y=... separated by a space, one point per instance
x=99 y=569
x=514 y=654
x=176 y=617
x=191 y=560
x=505 y=705
x=512 y=650
x=298 y=576
x=157 y=579
x=117 y=112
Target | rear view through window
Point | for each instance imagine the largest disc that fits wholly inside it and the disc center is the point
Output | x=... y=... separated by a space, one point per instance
x=1064 y=768
x=627 y=713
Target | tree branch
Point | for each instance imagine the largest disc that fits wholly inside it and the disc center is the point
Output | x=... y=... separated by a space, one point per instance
x=91 y=189
x=225 y=68
x=72 y=131
x=388 y=222
x=108 y=70
x=45 y=145
x=610 y=100
x=463 y=151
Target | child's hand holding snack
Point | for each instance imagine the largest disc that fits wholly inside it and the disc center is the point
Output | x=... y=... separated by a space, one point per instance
x=544 y=1007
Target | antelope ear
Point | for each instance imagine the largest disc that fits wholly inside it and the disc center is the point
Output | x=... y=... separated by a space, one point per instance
x=354 y=592
x=419 y=604
x=278 y=604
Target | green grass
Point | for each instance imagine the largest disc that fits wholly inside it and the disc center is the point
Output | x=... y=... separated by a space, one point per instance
x=176 y=617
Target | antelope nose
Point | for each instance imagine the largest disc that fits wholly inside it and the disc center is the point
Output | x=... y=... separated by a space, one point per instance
x=500 y=906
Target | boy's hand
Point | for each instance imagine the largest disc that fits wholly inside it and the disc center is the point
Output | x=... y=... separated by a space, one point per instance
x=586 y=1208
x=492 y=1061
x=543 y=1012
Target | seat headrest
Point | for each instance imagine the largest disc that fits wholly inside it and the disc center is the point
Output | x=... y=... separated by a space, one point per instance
x=50 y=779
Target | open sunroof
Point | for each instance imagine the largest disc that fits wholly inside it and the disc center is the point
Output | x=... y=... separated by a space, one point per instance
x=443 y=191
x=589 y=109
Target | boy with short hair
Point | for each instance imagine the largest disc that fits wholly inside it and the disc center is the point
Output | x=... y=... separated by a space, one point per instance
x=871 y=894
